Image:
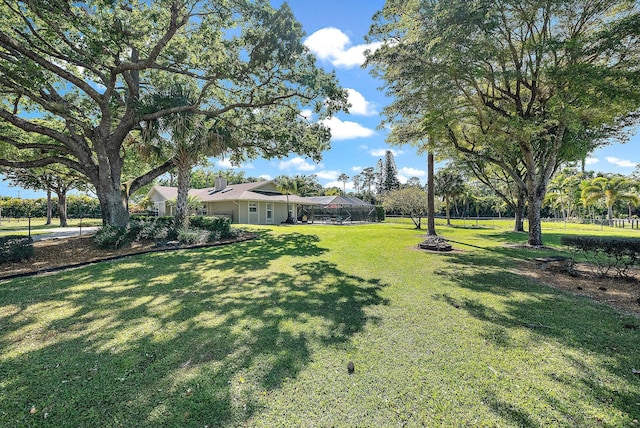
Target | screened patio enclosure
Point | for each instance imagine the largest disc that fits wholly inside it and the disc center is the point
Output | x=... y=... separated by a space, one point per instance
x=336 y=209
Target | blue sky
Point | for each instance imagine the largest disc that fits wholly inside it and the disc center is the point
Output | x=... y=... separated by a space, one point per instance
x=335 y=33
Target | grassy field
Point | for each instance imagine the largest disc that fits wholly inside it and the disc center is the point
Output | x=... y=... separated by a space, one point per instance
x=20 y=226
x=260 y=334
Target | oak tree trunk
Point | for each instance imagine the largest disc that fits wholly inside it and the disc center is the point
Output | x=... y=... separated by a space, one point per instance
x=536 y=192
x=49 y=207
x=520 y=212
x=62 y=208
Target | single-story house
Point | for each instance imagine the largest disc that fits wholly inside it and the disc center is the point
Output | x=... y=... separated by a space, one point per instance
x=246 y=203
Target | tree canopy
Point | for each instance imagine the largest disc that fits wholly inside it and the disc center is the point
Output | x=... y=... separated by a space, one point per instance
x=85 y=67
x=546 y=82
x=611 y=189
x=411 y=201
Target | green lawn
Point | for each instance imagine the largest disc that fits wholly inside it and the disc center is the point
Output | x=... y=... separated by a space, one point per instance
x=260 y=334
x=20 y=226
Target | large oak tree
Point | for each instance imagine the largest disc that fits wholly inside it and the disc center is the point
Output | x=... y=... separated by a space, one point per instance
x=549 y=80
x=86 y=65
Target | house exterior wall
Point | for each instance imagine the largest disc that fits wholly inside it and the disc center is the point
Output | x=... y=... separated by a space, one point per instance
x=159 y=204
x=224 y=209
x=279 y=212
x=271 y=187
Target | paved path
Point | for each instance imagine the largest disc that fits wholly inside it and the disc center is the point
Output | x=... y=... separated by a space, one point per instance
x=65 y=232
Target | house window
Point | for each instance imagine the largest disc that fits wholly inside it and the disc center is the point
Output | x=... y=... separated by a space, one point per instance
x=202 y=210
x=253 y=207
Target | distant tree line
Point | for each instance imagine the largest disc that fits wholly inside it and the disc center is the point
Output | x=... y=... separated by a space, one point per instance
x=78 y=206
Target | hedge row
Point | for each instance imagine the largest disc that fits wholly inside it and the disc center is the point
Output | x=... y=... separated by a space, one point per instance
x=15 y=248
x=606 y=253
x=77 y=206
x=151 y=228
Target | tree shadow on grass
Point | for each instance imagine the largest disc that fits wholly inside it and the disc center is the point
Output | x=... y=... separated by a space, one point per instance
x=595 y=343
x=190 y=338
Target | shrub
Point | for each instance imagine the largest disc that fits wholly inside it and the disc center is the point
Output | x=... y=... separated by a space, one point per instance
x=15 y=248
x=606 y=253
x=212 y=224
x=193 y=236
x=112 y=237
x=146 y=227
x=380 y=215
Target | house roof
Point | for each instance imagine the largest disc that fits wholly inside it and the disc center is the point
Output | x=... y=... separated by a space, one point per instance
x=338 y=200
x=257 y=191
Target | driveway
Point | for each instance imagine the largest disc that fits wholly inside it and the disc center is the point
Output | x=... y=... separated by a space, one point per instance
x=65 y=232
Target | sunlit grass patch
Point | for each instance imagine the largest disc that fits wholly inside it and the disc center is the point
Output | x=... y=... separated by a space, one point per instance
x=260 y=333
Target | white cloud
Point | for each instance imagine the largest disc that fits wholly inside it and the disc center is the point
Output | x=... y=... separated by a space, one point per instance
x=402 y=179
x=412 y=172
x=359 y=105
x=265 y=176
x=346 y=130
x=328 y=175
x=621 y=162
x=591 y=161
x=306 y=113
x=298 y=164
x=332 y=45
x=381 y=152
x=356 y=168
x=226 y=163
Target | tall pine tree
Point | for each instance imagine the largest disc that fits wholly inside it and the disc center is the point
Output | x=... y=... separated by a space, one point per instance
x=391 y=181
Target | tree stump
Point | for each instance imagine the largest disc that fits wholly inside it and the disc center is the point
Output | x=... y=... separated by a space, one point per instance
x=435 y=243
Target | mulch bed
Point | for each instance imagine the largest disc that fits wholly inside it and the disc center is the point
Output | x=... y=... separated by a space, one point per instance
x=621 y=293
x=62 y=253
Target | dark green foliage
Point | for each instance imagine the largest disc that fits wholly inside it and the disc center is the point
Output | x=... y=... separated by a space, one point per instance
x=112 y=237
x=150 y=228
x=77 y=207
x=15 y=248
x=607 y=253
x=380 y=216
x=212 y=224
x=165 y=221
x=390 y=173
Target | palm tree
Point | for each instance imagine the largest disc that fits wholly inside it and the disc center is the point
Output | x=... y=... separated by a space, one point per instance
x=189 y=137
x=287 y=185
x=431 y=202
x=356 y=184
x=344 y=178
x=612 y=190
x=368 y=178
x=449 y=183
x=307 y=185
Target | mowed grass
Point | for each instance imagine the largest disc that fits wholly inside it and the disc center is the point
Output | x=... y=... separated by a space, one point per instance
x=260 y=334
x=20 y=226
